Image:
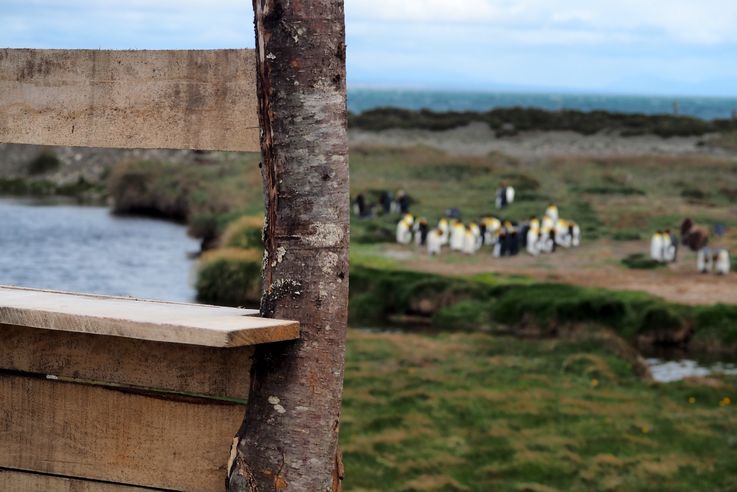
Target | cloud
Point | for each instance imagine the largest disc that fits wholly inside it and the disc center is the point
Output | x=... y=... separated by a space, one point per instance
x=701 y=22
x=126 y=23
x=588 y=44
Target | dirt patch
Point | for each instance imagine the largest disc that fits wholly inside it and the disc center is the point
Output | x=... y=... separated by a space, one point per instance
x=595 y=264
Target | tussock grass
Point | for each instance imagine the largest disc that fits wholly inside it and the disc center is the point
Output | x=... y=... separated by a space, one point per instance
x=245 y=232
x=230 y=276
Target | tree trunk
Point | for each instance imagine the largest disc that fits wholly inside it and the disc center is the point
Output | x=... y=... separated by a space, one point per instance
x=289 y=436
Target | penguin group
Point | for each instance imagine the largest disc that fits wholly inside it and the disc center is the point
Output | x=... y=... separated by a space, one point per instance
x=716 y=261
x=386 y=204
x=504 y=237
x=664 y=247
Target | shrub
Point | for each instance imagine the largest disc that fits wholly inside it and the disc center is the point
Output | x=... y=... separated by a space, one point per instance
x=245 y=232
x=149 y=188
x=639 y=261
x=45 y=162
x=718 y=322
x=509 y=121
x=464 y=315
x=230 y=277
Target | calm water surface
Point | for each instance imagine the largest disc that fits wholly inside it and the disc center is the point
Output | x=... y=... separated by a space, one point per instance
x=668 y=371
x=86 y=249
x=707 y=108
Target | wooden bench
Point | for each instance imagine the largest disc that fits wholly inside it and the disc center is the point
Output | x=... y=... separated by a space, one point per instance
x=105 y=393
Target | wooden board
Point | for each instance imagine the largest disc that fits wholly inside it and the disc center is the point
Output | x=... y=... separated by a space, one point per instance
x=195 y=99
x=207 y=371
x=90 y=432
x=18 y=481
x=146 y=320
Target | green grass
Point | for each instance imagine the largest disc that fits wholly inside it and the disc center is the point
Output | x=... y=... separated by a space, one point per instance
x=475 y=412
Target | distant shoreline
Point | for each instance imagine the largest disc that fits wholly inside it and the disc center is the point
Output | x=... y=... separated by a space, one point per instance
x=511 y=121
x=702 y=107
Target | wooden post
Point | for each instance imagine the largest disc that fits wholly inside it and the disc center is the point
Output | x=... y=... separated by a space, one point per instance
x=289 y=437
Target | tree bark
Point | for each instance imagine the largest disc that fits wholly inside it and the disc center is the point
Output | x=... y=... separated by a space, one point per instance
x=289 y=436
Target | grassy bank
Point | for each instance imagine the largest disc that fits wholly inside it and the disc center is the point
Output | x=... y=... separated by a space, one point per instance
x=205 y=195
x=475 y=412
x=502 y=304
x=383 y=293
x=80 y=190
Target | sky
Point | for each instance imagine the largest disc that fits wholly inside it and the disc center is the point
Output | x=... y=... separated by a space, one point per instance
x=653 y=47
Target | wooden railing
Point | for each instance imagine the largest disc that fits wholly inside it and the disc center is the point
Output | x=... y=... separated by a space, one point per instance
x=106 y=393
x=194 y=99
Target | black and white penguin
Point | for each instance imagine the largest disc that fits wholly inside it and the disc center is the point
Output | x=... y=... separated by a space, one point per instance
x=457 y=235
x=552 y=213
x=435 y=242
x=403 y=202
x=469 y=241
x=705 y=260
x=514 y=240
x=444 y=227
x=359 y=206
x=657 y=243
x=385 y=199
x=723 y=263
x=670 y=247
x=404 y=230
x=500 y=244
x=421 y=230
x=533 y=238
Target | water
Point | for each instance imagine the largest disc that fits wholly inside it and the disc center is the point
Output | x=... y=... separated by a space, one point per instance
x=85 y=249
x=668 y=371
x=701 y=107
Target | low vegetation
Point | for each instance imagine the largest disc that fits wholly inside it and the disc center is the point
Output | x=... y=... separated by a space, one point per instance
x=80 y=189
x=46 y=162
x=187 y=192
x=640 y=261
x=509 y=121
x=230 y=277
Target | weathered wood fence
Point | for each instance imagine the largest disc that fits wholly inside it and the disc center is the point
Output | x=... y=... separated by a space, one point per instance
x=104 y=394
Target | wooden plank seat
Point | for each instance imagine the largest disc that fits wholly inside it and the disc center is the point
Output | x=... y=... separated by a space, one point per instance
x=110 y=393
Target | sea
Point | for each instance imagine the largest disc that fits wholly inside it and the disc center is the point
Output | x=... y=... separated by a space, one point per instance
x=707 y=108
